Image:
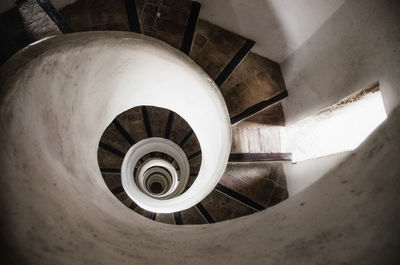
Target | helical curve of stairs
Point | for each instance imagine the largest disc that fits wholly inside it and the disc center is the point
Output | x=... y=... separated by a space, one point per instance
x=248 y=82
x=73 y=106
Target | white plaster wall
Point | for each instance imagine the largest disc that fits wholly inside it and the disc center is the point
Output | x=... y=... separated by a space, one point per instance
x=56 y=209
x=279 y=27
x=357 y=47
x=299 y=176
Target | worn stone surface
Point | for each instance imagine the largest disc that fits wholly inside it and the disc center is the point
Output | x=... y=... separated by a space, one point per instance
x=38 y=24
x=122 y=196
x=86 y=15
x=143 y=212
x=272 y=115
x=112 y=180
x=107 y=159
x=114 y=138
x=195 y=164
x=214 y=47
x=132 y=121
x=254 y=80
x=158 y=118
x=165 y=218
x=179 y=129
x=165 y=20
x=264 y=183
x=12 y=34
x=192 y=145
x=192 y=216
x=222 y=207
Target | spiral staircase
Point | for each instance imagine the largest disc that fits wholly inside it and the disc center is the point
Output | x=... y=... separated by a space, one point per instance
x=82 y=146
x=249 y=83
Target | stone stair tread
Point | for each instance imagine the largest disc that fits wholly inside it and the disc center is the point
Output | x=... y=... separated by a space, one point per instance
x=112 y=180
x=158 y=118
x=260 y=182
x=192 y=216
x=222 y=207
x=214 y=47
x=179 y=125
x=272 y=115
x=108 y=160
x=143 y=212
x=86 y=15
x=166 y=218
x=38 y=24
x=123 y=197
x=165 y=20
x=113 y=137
x=195 y=164
x=132 y=121
x=191 y=146
x=255 y=79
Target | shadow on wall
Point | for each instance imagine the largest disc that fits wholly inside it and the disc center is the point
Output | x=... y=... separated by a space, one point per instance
x=355 y=47
x=260 y=16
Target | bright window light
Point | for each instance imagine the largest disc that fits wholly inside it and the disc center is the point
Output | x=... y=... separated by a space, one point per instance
x=339 y=128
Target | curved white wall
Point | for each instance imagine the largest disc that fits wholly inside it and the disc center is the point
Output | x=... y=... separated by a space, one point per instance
x=86 y=80
x=56 y=208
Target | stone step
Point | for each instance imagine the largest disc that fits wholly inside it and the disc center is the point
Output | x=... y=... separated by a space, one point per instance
x=256 y=79
x=108 y=159
x=263 y=183
x=38 y=24
x=192 y=216
x=222 y=207
x=165 y=20
x=87 y=15
x=214 y=47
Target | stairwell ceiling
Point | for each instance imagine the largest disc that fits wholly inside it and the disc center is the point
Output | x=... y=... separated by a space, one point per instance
x=279 y=27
